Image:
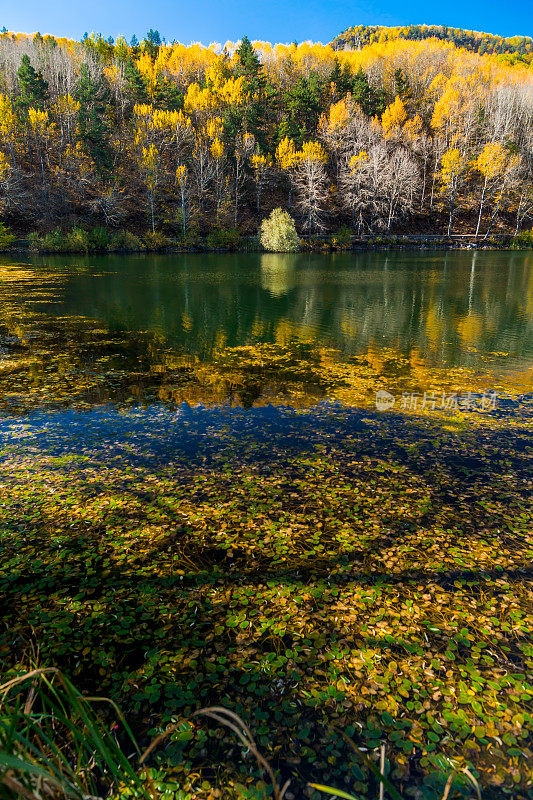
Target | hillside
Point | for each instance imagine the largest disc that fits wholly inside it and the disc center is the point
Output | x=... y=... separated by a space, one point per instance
x=185 y=141
x=517 y=47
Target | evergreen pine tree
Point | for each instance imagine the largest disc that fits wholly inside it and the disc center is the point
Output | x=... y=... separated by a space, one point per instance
x=166 y=95
x=260 y=92
x=92 y=127
x=33 y=87
x=152 y=43
x=136 y=82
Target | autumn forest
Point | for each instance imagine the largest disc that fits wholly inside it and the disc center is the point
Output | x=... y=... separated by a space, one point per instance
x=381 y=132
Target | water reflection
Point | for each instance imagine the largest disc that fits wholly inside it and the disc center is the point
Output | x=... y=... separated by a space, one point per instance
x=455 y=308
x=312 y=326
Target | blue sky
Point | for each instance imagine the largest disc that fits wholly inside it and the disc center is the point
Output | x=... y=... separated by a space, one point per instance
x=271 y=20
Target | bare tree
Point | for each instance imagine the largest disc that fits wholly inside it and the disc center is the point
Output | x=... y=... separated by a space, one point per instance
x=311 y=183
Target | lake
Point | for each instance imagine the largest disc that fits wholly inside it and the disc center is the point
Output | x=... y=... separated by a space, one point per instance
x=266 y=328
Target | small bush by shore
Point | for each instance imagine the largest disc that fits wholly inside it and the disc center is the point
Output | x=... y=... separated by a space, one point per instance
x=278 y=233
x=523 y=241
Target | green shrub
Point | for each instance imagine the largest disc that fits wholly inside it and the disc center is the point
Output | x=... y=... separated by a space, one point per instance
x=523 y=241
x=278 y=233
x=342 y=238
x=224 y=239
x=6 y=237
x=34 y=241
x=192 y=240
x=125 y=240
x=77 y=241
x=156 y=241
x=98 y=239
x=56 y=241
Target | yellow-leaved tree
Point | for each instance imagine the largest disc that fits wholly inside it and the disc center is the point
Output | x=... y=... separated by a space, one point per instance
x=287 y=159
x=182 y=174
x=149 y=167
x=393 y=119
x=496 y=164
x=452 y=173
x=261 y=166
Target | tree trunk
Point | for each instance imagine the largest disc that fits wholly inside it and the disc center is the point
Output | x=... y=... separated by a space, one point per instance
x=452 y=202
x=481 y=207
x=183 y=209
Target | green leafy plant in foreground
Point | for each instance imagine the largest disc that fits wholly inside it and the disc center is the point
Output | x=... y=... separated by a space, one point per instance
x=54 y=745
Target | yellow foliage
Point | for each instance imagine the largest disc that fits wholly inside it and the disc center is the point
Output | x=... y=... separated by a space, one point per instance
x=198 y=99
x=232 y=91
x=413 y=128
x=38 y=120
x=5 y=167
x=452 y=165
x=170 y=119
x=147 y=68
x=492 y=161
x=217 y=148
x=260 y=162
x=7 y=115
x=181 y=176
x=393 y=117
x=286 y=154
x=446 y=108
x=149 y=162
x=67 y=106
x=338 y=115
x=357 y=160
x=312 y=151
x=214 y=128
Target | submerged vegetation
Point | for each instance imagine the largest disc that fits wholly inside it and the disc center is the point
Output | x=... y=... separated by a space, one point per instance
x=374 y=579
x=353 y=585
x=404 y=132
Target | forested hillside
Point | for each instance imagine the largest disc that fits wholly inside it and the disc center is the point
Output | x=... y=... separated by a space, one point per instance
x=513 y=48
x=177 y=140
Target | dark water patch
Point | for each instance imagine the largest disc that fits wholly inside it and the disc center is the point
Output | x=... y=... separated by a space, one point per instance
x=159 y=436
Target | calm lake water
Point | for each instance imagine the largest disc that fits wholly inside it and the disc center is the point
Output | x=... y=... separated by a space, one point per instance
x=468 y=311
x=454 y=308
x=210 y=335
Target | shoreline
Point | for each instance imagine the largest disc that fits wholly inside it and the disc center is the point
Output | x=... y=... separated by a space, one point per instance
x=323 y=244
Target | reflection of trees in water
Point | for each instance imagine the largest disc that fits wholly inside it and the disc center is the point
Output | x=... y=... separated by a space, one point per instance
x=441 y=305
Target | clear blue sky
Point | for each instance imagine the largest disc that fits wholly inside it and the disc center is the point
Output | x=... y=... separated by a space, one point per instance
x=271 y=20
